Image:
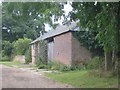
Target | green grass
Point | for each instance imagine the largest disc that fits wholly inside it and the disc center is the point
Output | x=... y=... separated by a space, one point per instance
x=83 y=79
x=10 y=63
x=16 y=64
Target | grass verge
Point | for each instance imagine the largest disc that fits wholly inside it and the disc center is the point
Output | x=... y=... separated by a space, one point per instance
x=10 y=63
x=82 y=79
x=16 y=64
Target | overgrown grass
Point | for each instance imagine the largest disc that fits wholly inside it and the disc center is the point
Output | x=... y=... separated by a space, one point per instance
x=83 y=79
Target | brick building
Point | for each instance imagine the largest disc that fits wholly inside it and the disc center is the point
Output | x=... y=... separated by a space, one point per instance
x=62 y=46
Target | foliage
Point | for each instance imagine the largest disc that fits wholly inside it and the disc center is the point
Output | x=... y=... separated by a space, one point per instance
x=5 y=58
x=42 y=66
x=21 y=46
x=41 y=54
x=94 y=63
x=7 y=48
x=101 y=19
x=39 y=63
x=28 y=57
x=88 y=40
x=55 y=65
x=77 y=67
x=64 y=67
x=27 y=19
x=96 y=19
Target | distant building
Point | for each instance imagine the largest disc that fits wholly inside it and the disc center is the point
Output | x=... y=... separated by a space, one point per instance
x=62 y=46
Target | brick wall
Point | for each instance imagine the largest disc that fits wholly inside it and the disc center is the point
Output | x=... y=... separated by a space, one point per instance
x=62 y=48
x=66 y=49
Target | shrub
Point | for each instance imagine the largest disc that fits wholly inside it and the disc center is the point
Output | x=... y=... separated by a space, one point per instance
x=7 y=48
x=40 y=64
x=94 y=63
x=55 y=65
x=64 y=67
x=5 y=58
x=21 y=46
x=77 y=67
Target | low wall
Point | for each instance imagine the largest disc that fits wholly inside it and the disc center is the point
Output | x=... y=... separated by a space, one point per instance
x=20 y=58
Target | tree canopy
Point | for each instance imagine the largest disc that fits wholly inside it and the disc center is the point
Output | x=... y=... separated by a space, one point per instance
x=27 y=19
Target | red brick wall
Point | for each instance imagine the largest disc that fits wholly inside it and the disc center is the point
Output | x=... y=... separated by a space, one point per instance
x=79 y=53
x=66 y=49
x=62 y=48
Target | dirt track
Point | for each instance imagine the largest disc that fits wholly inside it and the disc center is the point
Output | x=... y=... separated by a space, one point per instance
x=23 y=78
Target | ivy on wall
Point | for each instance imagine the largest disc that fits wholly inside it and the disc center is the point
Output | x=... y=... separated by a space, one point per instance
x=41 y=57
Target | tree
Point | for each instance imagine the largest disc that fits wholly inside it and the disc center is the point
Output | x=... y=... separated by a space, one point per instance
x=27 y=19
x=88 y=40
x=103 y=19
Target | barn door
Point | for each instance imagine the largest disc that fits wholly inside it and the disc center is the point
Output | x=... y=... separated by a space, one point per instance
x=50 y=50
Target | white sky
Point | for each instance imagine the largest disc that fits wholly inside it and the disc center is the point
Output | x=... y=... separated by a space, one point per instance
x=67 y=9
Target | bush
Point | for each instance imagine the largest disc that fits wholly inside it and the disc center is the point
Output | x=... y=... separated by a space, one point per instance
x=7 y=49
x=64 y=68
x=6 y=58
x=94 y=63
x=21 y=46
x=42 y=66
x=55 y=65
x=77 y=67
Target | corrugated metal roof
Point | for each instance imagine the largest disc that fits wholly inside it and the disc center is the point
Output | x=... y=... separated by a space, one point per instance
x=59 y=30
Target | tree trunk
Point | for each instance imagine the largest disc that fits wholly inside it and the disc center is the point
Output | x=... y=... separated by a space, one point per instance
x=108 y=61
x=114 y=59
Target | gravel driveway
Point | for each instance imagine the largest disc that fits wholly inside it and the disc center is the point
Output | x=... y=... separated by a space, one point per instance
x=23 y=78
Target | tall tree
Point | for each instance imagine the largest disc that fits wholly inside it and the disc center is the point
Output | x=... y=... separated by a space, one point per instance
x=103 y=19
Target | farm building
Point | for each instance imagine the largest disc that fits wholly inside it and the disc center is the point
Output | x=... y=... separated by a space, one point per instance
x=61 y=46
